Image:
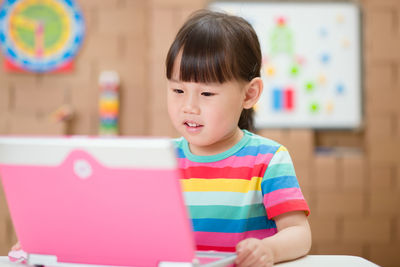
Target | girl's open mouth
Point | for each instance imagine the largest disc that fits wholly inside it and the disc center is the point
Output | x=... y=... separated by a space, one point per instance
x=192 y=126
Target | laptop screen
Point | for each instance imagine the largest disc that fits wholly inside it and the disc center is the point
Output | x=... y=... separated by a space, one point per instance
x=97 y=201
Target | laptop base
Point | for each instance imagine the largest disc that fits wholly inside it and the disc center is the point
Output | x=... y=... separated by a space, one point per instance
x=210 y=259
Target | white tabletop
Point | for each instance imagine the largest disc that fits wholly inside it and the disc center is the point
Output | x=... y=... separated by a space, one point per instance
x=328 y=261
x=308 y=261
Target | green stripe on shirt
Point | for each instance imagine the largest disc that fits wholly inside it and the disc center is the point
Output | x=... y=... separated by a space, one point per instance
x=278 y=170
x=227 y=212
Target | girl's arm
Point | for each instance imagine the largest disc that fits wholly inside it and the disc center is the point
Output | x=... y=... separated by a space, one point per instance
x=292 y=241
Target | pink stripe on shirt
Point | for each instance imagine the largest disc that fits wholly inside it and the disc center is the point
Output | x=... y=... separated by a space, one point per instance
x=281 y=195
x=230 y=239
x=235 y=162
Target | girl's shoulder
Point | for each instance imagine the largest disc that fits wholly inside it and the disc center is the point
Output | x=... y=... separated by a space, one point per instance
x=258 y=140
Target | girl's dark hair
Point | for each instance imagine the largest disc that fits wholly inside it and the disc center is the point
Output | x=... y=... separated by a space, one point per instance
x=217 y=47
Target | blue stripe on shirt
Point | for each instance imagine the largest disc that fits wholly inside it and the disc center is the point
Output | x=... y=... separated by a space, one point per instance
x=232 y=226
x=280 y=182
x=256 y=150
x=179 y=153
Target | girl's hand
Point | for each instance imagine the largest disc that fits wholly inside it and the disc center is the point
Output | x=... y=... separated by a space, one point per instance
x=252 y=252
x=17 y=246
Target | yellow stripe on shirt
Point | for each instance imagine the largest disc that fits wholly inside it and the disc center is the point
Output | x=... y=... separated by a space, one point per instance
x=281 y=148
x=221 y=184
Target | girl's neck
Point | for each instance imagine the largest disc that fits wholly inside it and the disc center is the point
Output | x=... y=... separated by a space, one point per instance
x=221 y=146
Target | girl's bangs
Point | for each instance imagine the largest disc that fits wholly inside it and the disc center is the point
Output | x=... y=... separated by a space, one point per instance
x=205 y=63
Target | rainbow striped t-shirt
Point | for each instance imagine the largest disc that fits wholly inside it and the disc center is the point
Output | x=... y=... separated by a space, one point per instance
x=236 y=194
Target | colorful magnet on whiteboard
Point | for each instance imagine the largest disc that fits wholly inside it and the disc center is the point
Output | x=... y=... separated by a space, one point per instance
x=309 y=86
x=314 y=107
x=281 y=21
x=340 y=89
x=270 y=70
x=294 y=70
x=340 y=18
x=322 y=79
x=289 y=98
x=277 y=97
x=329 y=107
x=325 y=58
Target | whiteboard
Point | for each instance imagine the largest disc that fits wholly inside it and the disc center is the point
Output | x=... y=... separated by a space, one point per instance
x=311 y=66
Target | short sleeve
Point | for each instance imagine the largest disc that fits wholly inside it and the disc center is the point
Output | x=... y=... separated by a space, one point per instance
x=280 y=188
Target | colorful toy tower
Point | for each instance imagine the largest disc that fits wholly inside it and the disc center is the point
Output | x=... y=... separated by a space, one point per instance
x=109 y=103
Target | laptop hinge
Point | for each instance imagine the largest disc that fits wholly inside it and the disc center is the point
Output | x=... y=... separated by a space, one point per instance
x=38 y=259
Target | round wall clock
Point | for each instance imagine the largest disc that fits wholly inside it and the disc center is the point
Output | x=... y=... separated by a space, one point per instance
x=40 y=35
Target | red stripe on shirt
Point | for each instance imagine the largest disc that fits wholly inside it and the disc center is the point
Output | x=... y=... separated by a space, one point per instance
x=222 y=249
x=226 y=172
x=290 y=205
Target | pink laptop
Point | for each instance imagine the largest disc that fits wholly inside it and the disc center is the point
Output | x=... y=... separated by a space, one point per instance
x=99 y=201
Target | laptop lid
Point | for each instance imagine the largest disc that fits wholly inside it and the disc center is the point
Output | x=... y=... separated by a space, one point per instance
x=97 y=200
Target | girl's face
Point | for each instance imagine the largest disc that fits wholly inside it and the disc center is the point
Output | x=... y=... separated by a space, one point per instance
x=206 y=114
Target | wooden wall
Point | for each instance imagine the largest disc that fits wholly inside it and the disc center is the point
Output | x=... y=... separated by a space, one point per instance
x=354 y=194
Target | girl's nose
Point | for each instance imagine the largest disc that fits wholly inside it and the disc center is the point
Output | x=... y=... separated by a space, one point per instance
x=191 y=106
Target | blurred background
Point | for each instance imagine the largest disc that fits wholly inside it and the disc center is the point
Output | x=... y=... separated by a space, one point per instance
x=351 y=178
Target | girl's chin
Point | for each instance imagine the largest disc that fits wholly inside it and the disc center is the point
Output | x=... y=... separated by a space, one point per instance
x=197 y=140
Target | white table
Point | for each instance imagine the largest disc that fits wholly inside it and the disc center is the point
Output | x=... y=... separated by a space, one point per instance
x=308 y=261
x=328 y=261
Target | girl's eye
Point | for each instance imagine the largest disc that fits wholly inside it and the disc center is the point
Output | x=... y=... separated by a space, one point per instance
x=207 y=94
x=178 y=91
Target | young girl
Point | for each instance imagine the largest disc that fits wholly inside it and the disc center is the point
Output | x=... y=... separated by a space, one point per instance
x=240 y=188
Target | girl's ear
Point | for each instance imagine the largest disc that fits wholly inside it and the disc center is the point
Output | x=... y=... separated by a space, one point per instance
x=253 y=92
